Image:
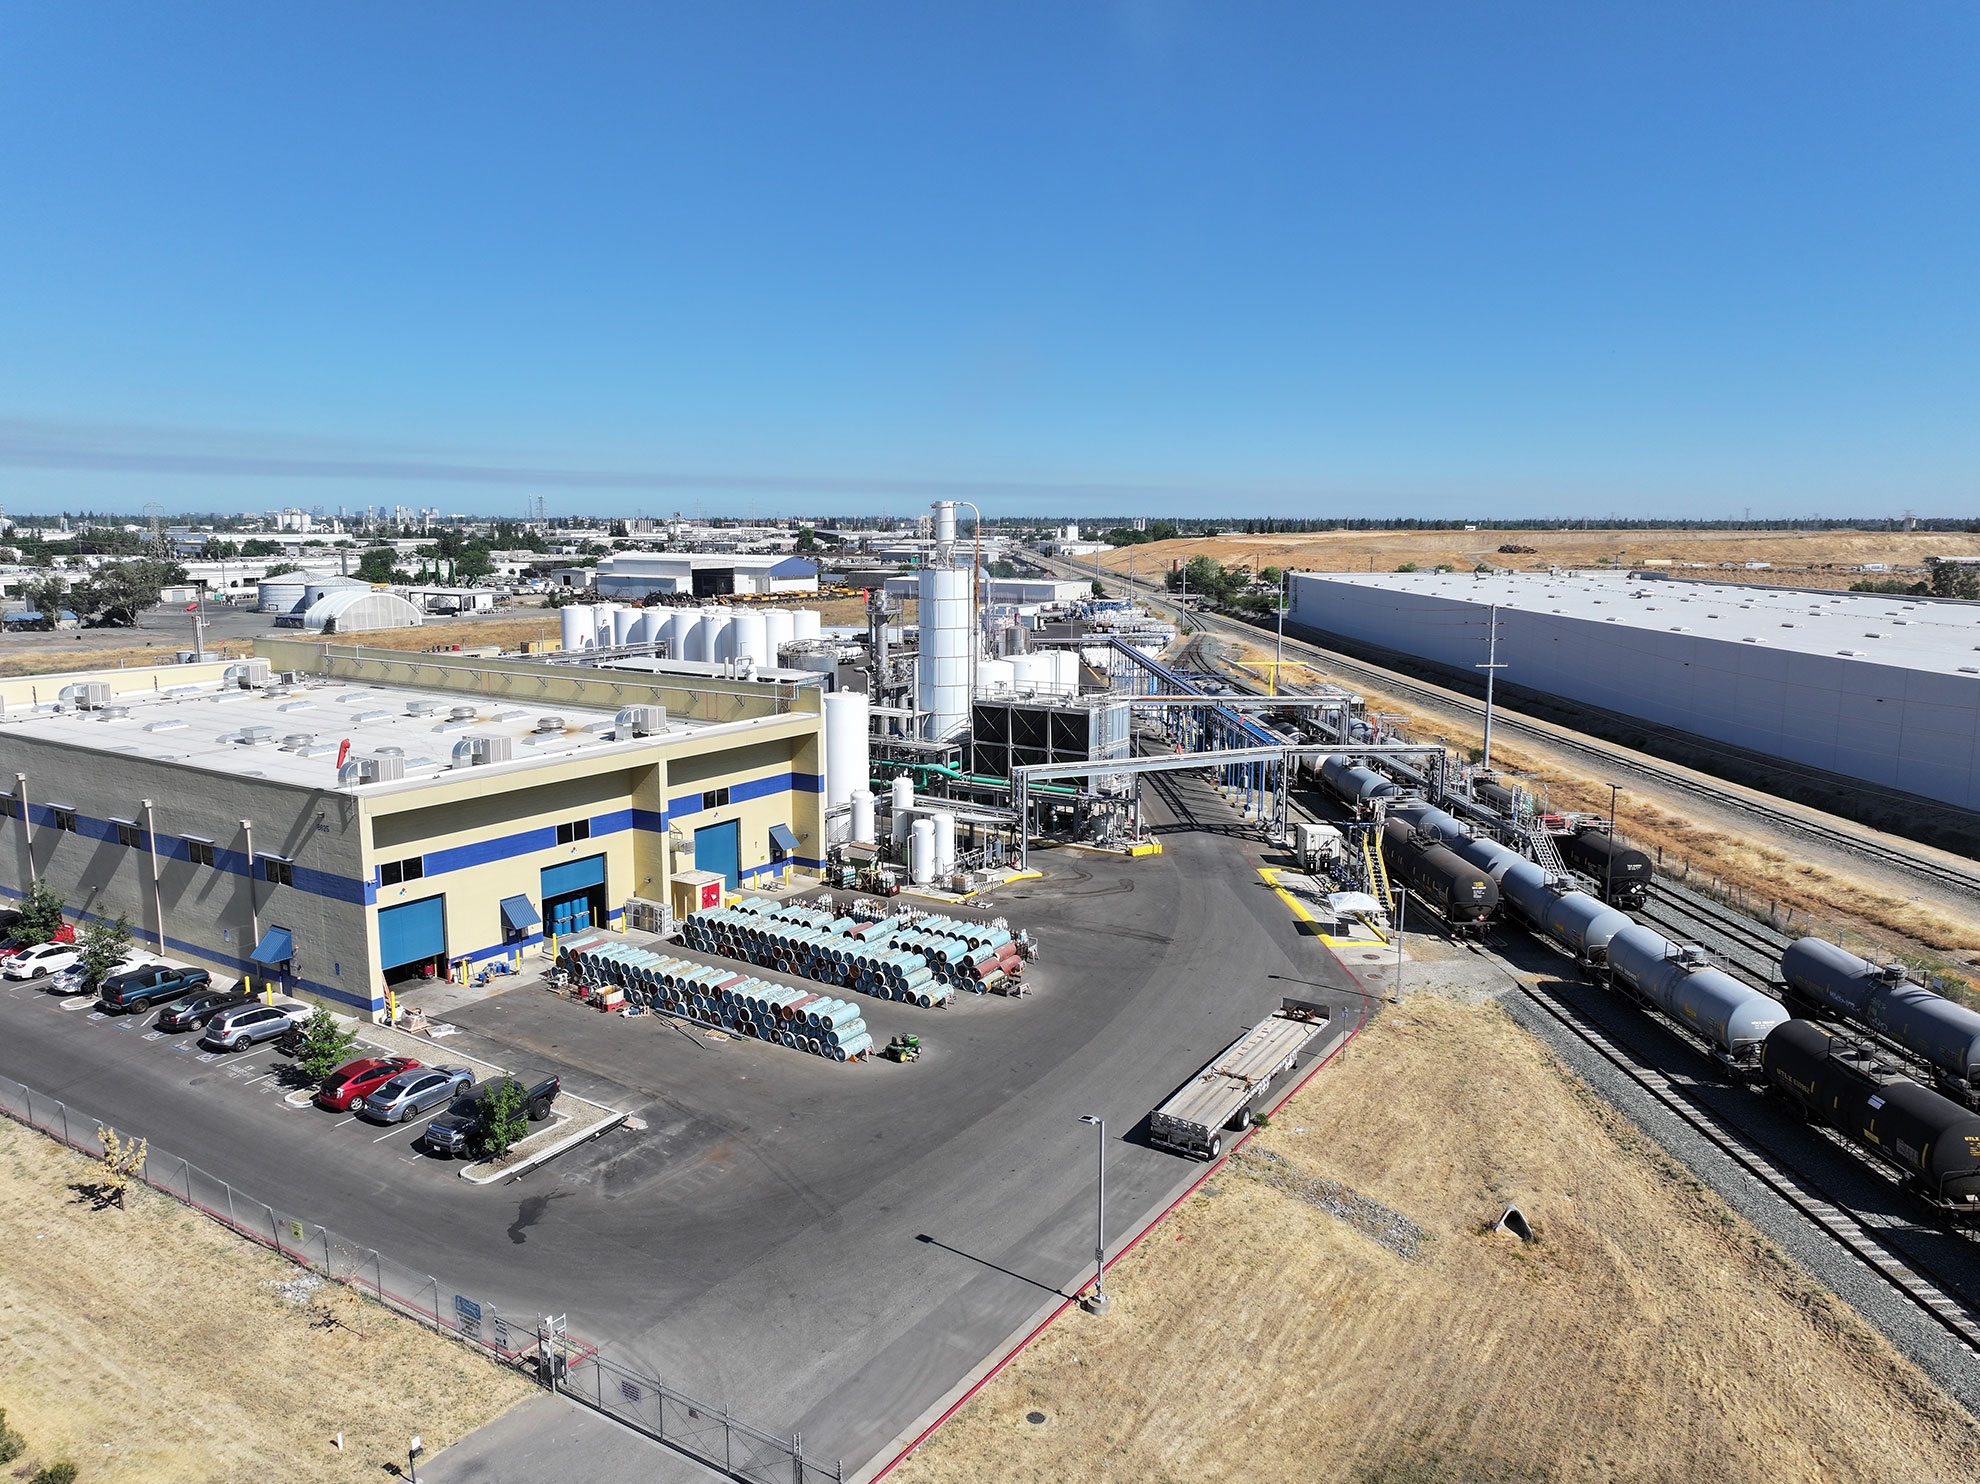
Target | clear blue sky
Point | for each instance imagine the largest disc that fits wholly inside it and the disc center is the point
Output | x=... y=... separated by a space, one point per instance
x=1162 y=258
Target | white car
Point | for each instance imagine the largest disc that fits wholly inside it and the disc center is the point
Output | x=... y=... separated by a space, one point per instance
x=43 y=958
x=73 y=980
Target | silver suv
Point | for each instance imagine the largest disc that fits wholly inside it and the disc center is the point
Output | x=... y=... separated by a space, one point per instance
x=245 y=1026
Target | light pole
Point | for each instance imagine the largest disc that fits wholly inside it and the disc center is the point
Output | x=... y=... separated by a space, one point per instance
x=1609 y=859
x=1097 y=1302
x=1402 y=901
x=1279 y=649
x=412 y=1459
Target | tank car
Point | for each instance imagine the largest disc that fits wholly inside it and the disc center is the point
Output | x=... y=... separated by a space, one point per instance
x=1356 y=786
x=1939 y=1032
x=1734 y=1018
x=1428 y=819
x=1934 y=1141
x=1463 y=895
x=1625 y=874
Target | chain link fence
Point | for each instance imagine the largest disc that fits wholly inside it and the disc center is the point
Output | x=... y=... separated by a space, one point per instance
x=560 y=1360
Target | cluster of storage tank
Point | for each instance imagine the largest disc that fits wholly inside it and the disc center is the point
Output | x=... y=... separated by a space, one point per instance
x=926 y=835
x=708 y=635
x=741 y=1004
x=1039 y=672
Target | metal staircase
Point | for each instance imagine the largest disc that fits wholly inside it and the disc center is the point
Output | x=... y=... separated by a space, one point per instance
x=1378 y=874
x=1541 y=844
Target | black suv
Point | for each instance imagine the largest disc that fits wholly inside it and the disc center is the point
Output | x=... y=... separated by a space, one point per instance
x=459 y=1129
x=195 y=1010
x=138 y=989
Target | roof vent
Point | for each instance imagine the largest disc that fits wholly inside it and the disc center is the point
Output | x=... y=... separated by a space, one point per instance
x=546 y=724
x=1850 y=654
x=297 y=741
x=116 y=713
x=364 y=716
x=1969 y=669
x=422 y=707
x=461 y=713
x=389 y=751
x=163 y=726
x=1873 y=634
x=256 y=736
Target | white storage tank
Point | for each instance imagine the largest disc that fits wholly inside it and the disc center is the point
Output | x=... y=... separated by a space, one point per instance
x=901 y=797
x=718 y=636
x=575 y=626
x=780 y=628
x=945 y=842
x=943 y=690
x=752 y=637
x=862 y=816
x=683 y=633
x=805 y=622
x=921 y=853
x=624 y=621
x=1065 y=672
x=283 y=594
x=846 y=722
x=994 y=676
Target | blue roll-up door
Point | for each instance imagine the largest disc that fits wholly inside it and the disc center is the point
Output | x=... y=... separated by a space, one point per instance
x=408 y=934
x=719 y=848
x=572 y=876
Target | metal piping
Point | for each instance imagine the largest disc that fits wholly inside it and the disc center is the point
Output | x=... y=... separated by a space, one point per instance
x=27 y=822
x=157 y=902
x=254 y=907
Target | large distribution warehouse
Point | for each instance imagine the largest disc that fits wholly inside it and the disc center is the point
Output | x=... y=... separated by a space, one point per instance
x=1867 y=686
x=340 y=819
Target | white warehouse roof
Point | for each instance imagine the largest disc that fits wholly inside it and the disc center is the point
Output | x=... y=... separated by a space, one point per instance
x=1871 y=686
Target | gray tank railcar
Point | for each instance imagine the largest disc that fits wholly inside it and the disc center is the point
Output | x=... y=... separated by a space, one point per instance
x=1939 y=1032
x=1709 y=1001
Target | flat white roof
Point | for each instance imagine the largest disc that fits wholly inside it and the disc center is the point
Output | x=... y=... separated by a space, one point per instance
x=204 y=727
x=1915 y=633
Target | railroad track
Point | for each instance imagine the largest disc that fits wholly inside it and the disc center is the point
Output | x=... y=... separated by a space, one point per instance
x=1749 y=948
x=1511 y=723
x=1855 y=1231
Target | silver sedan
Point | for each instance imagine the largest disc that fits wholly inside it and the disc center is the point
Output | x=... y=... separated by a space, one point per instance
x=411 y=1093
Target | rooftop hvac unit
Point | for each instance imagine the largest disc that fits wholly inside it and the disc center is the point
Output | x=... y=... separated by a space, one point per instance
x=92 y=695
x=250 y=674
x=640 y=721
x=422 y=707
x=546 y=724
x=473 y=752
x=372 y=767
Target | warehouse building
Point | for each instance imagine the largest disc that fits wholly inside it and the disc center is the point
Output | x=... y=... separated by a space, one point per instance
x=1866 y=686
x=340 y=823
x=639 y=575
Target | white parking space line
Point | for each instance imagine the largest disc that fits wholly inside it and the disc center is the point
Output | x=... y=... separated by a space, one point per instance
x=392 y=1133
x=342 y=1121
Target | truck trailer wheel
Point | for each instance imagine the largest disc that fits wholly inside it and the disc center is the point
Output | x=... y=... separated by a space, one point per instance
x=1216 y=1147
x=1241 y=1120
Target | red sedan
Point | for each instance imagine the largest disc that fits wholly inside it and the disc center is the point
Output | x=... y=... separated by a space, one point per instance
x=354 y=1079
x=14 y=943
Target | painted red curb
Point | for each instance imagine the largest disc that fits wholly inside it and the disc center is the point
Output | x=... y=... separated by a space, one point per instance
x=1154 y=1221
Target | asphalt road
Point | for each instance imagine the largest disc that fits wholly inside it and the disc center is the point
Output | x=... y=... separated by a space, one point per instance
x=825 y=1249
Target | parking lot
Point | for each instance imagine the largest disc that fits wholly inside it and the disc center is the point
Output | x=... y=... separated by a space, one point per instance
x=823 y=1247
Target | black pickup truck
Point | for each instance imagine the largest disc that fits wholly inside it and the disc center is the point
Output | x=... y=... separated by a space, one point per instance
x=459 y=1129
x=136 y=989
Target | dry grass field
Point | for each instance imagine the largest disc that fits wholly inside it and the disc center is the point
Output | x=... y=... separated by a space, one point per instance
x=1810 y=559
x=152 y=1346
x=1648 y=1335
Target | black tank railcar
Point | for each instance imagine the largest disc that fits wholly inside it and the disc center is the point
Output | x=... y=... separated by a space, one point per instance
x=1463 y=895
x=1624 y=874
x=1933 y=1140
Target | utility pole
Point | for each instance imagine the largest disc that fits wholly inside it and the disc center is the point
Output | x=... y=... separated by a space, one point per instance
x=1402 y=901
x=1491 y=667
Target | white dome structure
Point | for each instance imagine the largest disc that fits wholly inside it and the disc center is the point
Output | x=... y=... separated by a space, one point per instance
x=358 y=609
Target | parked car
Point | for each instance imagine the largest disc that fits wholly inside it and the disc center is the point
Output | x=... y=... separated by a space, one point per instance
x=459 y=1129
x=14 y=943
x=360 y=1078
x=75 y=979
x=195 y=1010
x=40 y=960
x=139 y=989
x=232 y=1030
x=410 y=1094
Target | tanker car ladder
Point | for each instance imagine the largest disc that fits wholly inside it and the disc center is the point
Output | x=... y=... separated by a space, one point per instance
x=1378 y=875
x=1541 y=844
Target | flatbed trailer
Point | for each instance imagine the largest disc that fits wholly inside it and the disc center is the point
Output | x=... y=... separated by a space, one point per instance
x=1221 y=1096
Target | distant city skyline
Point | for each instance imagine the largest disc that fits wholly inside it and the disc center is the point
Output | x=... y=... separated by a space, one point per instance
x=1159 y=258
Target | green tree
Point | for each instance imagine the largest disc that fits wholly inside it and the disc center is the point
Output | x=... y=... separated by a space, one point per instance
x=1099 y=588
x=504 y=1118
x=1951 y=580
x=376 y=566
x=1003 y=569
x=326 y=1045
x=101 y=946
x=280 y=567
x=47 y=596
x=41 y=913
x=122 y=590
x=255 y=546
x=807 y=539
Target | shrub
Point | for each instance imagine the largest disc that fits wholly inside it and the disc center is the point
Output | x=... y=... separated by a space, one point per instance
x=59 y=1472
x=12 y=1444
x=1407 y=567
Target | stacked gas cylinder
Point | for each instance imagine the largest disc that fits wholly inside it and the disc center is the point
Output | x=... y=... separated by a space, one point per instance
x=921 y=961
x=739 y=1003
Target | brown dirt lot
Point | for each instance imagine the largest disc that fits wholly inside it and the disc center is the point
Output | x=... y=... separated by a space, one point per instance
x=1650 y=1335
x=1811 y=559
x=151 y=1346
